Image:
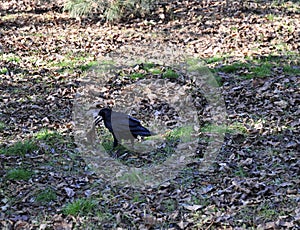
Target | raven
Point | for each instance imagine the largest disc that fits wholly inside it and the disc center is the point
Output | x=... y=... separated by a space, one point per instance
x=121 y=125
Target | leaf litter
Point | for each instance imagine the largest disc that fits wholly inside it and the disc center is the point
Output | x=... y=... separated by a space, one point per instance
x=255 y=180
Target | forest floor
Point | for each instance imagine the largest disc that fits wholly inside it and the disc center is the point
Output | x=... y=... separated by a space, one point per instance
x=251 y=49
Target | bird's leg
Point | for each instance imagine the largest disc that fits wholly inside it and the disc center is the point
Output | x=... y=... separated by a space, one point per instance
x=116 y=143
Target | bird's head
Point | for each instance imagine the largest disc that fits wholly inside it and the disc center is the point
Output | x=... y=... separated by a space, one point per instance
x=105 y=112
x=102 y=115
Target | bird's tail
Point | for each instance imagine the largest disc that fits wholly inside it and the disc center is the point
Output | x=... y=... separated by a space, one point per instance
x=153 y=133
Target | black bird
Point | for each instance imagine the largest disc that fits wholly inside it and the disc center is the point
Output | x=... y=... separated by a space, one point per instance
x=121 y=125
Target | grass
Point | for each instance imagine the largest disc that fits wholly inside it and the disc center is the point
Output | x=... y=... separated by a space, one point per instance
x=170 y=74
x=248 y=70
x=291 y=70
x=151 y=68
x=169 y=205
x=80 y=61
x=233 y=67
x=214 y=129
x=3 y=71
x=200 y=200
x=263 y=70
x=88 y=65
x=167 y=150
x=18 y=174
x=104 y=216
x=2 y=126
x=222 y=129
x=108 y=145
x=135 y=76
x=10 y=58
x=19 y=148
x=215 y=59
x=240 y=172
x=237 y=127
x=261 y=66
x=263 y=211
x=53 y=139
x=133 y=177
x=9 y=17
x=155 y=71
x=267 y=213
x=48 y=136
x=271 y=17
x=137 y=198
x=82 y=207
x=46 y=196
x=148 y=66
x=182 y=134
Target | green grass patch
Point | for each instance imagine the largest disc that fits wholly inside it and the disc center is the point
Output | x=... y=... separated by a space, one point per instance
x=104 y=216
x=82 y=207
x=200 y=200
x=237 y=127
x=267 y=213
x=169 y=205
x=291 y=70
x=263 y=70
x=46 y=196
x=182 y=134
x=137 y=198
x=18 y=174
x=261 y=66
x=264 y=212
x=282 y=46
x=50 y=137
x=240 y=172
x=135 y=76
x=233 y=67
x=108 y=145
x=155 y=71
x=270 y=17
x=167 y=150
x=19 y=148
x=214 y=59
x=214 y=129
x=133 y=177
x=88 y=65
x=151 y=68
x=248 y=70
x=147 y=66
x=66 y=63
x=8 y=17
x=80 y=61
x=10 y=58
x=2 y=126
x=222 y=129
x=169 y=73
x=3 y=71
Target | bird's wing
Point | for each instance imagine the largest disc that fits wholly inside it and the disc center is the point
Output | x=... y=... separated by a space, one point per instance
x=133 y=121
x=140 y=130
x=122 y=119
x=126 y=126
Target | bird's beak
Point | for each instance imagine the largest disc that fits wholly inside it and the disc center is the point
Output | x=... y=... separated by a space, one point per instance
x=97 y=120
